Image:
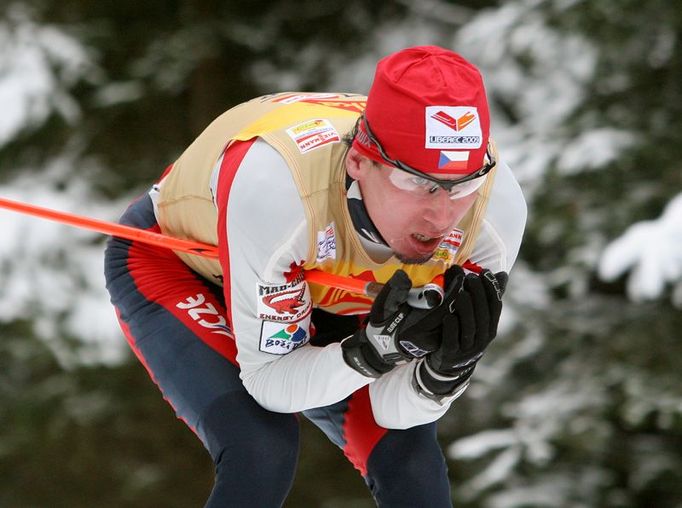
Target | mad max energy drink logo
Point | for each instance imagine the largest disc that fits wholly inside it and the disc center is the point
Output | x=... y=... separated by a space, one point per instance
x=287 y=302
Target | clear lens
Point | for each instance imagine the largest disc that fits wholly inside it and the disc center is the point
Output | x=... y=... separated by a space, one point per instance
x=466 y=188
x=422 y=187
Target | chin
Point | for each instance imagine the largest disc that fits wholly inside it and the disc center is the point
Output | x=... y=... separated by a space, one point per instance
x=412 y=253
x=413 y=259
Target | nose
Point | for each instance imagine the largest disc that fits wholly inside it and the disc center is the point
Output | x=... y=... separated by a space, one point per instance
x=440 y=211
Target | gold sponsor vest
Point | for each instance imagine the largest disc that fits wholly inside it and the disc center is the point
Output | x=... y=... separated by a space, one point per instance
x=307 y=130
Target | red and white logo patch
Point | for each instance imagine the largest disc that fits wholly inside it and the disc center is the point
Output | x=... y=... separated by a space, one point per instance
x=284 y=302
x=449 y=246
x=453 y=127
x=313 y=134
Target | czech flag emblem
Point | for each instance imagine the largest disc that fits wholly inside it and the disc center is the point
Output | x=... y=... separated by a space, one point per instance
x=453 y=160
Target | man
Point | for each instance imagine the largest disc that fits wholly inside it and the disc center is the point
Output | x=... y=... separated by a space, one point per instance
x=399 y=187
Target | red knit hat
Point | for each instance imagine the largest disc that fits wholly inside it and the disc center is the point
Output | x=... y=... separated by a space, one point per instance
x=428 y=109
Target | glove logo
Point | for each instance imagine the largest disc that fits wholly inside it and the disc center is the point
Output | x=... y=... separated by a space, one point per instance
x=496 y=284
x=395 y=322
x=384 y=341
x=412 y=349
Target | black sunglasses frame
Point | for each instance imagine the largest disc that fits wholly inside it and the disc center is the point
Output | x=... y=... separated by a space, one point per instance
x=447 y=185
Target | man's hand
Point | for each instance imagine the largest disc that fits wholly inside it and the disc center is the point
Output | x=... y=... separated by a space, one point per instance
x=396 y=332
x=468 y=328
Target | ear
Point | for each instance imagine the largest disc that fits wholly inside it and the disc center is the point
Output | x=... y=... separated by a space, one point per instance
x=357 y=164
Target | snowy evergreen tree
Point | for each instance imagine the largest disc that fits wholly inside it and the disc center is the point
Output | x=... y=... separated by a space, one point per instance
x=579 y=401
x=582 y=404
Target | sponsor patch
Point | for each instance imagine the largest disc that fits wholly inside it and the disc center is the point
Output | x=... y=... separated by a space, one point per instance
x=456 y=161
x=313 y=134
x=448 y=247
x=326 y=243
x=282 y=338
x=453 y=127
x=284 y=302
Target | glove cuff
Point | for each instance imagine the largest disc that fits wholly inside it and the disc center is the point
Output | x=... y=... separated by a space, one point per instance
x=438 y=386
x=362 y=358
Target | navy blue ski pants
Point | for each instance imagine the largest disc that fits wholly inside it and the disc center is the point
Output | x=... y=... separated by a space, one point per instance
x=191 y=356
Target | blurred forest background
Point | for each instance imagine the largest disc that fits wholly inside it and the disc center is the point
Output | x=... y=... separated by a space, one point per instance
x=579 y=402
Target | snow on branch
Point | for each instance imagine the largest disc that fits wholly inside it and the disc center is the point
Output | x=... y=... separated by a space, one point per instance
x=37 y=64
x=652 y=252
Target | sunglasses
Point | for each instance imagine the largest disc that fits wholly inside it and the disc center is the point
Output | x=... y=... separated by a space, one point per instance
x=413 y=180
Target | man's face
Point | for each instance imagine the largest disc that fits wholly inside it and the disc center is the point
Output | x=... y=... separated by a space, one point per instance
x=413 y=226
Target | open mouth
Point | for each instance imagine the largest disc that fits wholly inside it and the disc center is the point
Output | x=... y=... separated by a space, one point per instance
x=423 y=238
x=427 y=242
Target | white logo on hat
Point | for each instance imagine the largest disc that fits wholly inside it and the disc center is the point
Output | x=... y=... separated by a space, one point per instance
x=453 y=127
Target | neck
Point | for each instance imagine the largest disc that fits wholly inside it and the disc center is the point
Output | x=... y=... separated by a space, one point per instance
x=358 y=213
x=369 y=235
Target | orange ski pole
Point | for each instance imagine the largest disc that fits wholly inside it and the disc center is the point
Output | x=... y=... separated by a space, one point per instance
x=430 y=295
x=112 y=228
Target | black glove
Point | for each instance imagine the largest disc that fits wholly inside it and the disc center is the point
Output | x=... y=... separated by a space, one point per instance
x=421 y=331
x=395 y=332
x=468 y=328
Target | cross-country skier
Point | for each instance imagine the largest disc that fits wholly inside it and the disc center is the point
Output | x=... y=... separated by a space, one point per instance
x=398 y=187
